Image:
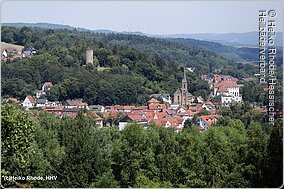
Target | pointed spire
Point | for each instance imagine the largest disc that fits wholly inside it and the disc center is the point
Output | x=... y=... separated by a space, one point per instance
x=184 y=75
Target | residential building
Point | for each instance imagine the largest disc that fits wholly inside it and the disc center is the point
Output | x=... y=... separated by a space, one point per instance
x=229 y=91
x=28 y=102
x=207 y=121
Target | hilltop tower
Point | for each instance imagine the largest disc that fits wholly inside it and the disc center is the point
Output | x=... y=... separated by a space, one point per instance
x=181 y=94
x=90 y=56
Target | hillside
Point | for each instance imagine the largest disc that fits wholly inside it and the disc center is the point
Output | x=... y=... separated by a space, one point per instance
x=238 y=54
x=237 y=47
x=174 y=51
x=18 y=48
x=139 y=66
x=247 y=39
x=132 y=77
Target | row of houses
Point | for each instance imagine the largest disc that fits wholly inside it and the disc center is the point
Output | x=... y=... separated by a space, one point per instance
x=11 y=53
x=163 y=115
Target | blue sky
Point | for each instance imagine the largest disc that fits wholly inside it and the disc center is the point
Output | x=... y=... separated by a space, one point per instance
x=153 y=17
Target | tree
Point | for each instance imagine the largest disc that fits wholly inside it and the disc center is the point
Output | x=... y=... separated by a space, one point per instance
x=17 y=135
x=257 y=153
x=274 y=176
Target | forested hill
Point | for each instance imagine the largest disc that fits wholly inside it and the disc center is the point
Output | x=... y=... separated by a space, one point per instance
x=174 y=51
x=139 y=66
x=238 y=54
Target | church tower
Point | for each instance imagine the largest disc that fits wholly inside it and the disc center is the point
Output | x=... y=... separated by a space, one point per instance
x=184 y=88
x=181 y=94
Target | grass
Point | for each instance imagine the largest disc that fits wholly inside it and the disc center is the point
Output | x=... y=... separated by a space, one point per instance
x=18 y=48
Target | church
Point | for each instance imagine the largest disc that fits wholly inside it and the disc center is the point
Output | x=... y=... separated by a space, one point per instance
x=181 y=94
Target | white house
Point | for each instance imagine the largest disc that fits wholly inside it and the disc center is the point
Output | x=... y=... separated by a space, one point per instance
x=229 y=91
x=28 y=102
x=41 y=102
x=45 y=87
x=208 y=120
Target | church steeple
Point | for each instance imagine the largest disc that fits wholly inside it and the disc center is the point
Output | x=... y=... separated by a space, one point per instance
x=184 y=75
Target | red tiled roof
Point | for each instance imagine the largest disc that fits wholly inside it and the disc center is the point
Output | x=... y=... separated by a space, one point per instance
x=153 y=100
x=14 y=100
x=140 y=108
x=124 y=107
x=53 y=108
x=174 y=121
x=149 y=115
x=112 y=113
x=187 y=112
x=76 y=103
x=31 y=99
x=218 y=78
x=223 y=85
x=135 y=117
x=157 y=107
x=210 y=119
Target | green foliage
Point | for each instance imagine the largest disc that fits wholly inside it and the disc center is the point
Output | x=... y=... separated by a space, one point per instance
x=274 y=174
x=82 y=155
x=17 y=136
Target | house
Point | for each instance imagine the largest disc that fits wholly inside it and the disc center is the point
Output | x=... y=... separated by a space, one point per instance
x=165 y=97
x=45 y=87
x=12 y=100
x=28 y=102
x=57 y=110
x=140 y=119
x=56 y=103
x=75 y=104
x=97 y=108
x=29 y=52
x=229 y=91
x=154 y=104
x=187 y=114
x=4 y=54
x=208 y=105
x=173 y=122
x=124 y=108
x=208 y=120
x=10 y=51
x=41 y=102
x=99 y=120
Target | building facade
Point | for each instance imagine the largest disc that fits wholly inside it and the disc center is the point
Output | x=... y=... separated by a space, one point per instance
x=181 y=94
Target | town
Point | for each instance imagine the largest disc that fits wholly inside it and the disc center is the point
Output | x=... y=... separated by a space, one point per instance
x=108 y=110
x=171 y=111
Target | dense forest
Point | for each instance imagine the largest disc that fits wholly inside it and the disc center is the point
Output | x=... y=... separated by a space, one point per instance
x=235 y=154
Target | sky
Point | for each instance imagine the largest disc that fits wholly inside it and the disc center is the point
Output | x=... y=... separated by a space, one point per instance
x=151 y=17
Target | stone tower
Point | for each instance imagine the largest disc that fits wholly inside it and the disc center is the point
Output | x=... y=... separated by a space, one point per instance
x=181 y=94
x=89 y=56
x=184 y=88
